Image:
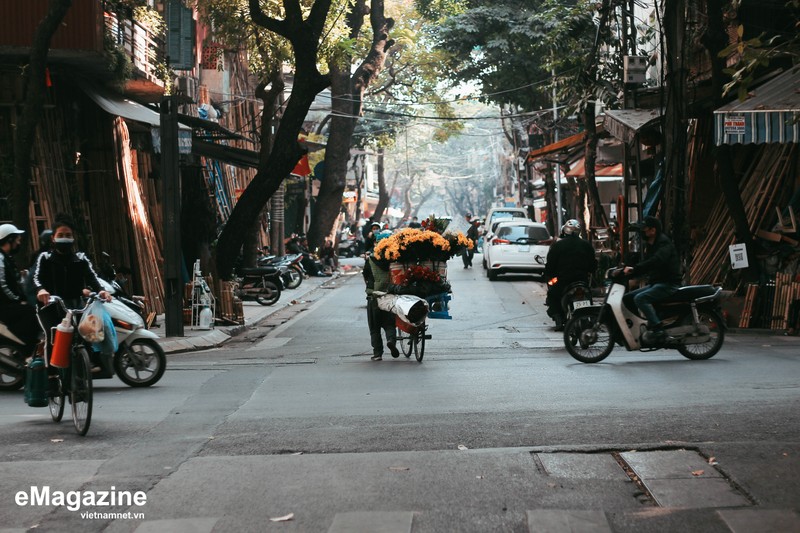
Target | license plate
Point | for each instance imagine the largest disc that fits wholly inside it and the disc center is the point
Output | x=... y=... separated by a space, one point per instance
x=523 y=248
x=581 y=303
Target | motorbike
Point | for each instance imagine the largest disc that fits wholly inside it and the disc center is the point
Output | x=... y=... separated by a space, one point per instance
x=12 y=360
x=262 y=284
x=290 y=266
x=576 y=295
x=138 y=362
x=692 y=319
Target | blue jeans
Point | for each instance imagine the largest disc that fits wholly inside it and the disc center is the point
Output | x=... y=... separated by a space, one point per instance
x=645 y=297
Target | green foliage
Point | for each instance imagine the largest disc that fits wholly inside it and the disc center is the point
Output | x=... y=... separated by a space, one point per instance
x=119 y=64
x=756 y=53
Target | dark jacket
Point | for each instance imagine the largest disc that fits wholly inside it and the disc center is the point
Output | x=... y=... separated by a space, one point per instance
x=661 y=263
x=10 y=286
x=570 y=259
x=65 y=275
x=472 y=233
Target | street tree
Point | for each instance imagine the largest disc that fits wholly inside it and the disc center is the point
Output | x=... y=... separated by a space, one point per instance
x=303 y=27
x=347 y=93
x=34 y=90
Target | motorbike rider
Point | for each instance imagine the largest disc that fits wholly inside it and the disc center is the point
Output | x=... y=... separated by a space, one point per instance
x=15 y=311
x=662 y=266
x=570 y=259
x=63 y=271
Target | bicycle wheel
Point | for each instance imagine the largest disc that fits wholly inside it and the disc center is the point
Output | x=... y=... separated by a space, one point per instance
x=419 y=344
x=80 y=393
x=56 y=401
x=405 y=340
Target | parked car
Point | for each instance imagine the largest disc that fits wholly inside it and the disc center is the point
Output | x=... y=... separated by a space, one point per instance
x=504 y=213
x=514 y=246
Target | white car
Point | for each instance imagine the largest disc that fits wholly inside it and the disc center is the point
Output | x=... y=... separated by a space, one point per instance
x=514 y=248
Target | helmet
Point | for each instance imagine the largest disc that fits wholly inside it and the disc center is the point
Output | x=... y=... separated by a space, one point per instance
x=9 y=229
x=46 y=238
x=571 y=227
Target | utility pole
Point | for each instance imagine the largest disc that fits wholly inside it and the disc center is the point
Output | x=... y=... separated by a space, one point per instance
x=171 y=198
x=558 y=166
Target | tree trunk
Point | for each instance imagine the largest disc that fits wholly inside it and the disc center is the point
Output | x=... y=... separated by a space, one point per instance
x=304 y=37
x=34 y=89
x=383 y=192
x=347 y=96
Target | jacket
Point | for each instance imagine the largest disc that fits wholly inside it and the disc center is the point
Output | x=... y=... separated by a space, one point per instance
x=661 y=263
x=65 y=275
x=570 y=259
x=10 y=287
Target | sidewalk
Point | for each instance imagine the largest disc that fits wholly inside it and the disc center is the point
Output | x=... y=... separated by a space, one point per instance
x=200 y=339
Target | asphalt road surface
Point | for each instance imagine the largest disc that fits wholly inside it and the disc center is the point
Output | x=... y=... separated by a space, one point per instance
x=498 y=429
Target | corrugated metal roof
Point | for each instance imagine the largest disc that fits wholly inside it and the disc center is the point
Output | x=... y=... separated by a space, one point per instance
x=624 y=124
x=770 y=115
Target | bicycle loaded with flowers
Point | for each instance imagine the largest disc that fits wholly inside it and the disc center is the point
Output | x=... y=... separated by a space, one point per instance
x=418 y=264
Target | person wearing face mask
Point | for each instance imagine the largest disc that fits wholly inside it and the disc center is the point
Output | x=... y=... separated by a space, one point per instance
x=15 y=312
x=63 y=271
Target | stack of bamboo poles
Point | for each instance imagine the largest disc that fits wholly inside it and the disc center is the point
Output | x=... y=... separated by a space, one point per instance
x=749 y=300
x=229 y=307
x=142 y=234
x=786 y=292
x=768 y=177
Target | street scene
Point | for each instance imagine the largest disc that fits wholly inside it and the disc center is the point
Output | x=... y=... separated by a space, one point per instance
x=400 y=266
x=498 y=429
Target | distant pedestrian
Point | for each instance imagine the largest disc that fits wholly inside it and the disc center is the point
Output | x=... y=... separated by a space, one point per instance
x=414 y=223
x=472 y=233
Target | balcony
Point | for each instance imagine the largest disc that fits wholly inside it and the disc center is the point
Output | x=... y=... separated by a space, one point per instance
x=93 y=37
x=146 y=51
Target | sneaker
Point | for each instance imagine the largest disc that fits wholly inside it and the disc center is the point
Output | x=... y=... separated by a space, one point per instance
x=393 y=349
x=377 y=357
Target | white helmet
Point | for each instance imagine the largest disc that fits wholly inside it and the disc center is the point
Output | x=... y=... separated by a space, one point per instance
x=9 y=229
x=571 y=227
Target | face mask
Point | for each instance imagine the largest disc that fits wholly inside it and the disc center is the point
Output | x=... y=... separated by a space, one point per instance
x=63 y=245
x=14 y=250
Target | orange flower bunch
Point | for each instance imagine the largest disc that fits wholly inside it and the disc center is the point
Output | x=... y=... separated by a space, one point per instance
x=410 y=245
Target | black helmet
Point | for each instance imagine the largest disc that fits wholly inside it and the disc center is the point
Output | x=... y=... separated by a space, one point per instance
x=46 y=238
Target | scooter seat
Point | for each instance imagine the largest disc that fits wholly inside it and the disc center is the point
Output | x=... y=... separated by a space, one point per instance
x=690 y=293
x=259 y=271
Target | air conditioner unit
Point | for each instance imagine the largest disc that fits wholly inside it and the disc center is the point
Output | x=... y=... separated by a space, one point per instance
x=187 y=86
x=634 y=69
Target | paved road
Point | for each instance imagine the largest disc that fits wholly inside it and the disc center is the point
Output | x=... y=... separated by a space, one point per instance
x=497 y=430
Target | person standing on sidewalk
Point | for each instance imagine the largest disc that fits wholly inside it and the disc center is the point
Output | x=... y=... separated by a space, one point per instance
x=376 y=276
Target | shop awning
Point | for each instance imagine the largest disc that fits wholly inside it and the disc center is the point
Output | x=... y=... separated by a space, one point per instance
x=625 y=124
x=120 y=106
x=771 y=115
x=564 y=145
x=601 y=170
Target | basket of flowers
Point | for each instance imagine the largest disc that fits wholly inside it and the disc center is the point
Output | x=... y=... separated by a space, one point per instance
x=418 y=259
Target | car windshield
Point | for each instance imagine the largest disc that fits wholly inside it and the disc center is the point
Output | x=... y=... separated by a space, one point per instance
x=526 y=234
x=507 y=215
